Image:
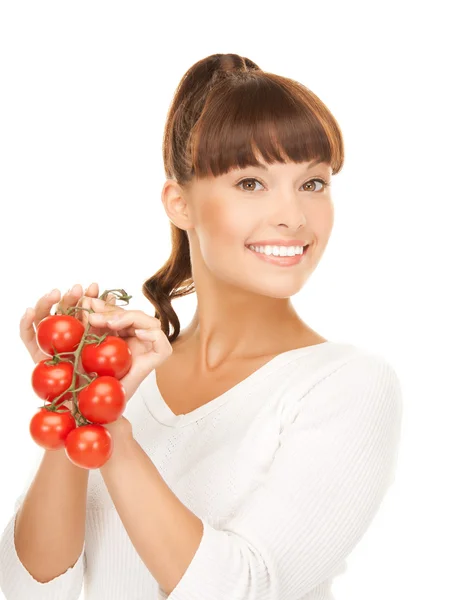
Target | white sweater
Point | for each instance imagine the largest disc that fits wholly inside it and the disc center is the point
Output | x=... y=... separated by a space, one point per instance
x=287 y=470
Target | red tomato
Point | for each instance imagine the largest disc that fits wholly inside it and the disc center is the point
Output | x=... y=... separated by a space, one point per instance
x=103 y=400
x=89 y=446
x=110 y=357
x=50 y=429
x=49 y=381
x=61 y=333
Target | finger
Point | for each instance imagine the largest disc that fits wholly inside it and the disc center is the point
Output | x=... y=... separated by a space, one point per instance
x=122 y=319
x=70 y=298
x=34 y=316
x=92 y=291
x=159 y=350
x=27 y=332
x=87 y=311
x=44 y=305
x=95 y=305
x=110 y=306
x=111 y=299
x=85 y=305
x=74 y=295
x=74 y=298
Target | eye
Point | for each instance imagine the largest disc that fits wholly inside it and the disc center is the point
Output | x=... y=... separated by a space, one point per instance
x=323 y=183
x=248 y=180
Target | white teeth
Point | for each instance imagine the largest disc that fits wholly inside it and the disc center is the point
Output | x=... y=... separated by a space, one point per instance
x=278 y=250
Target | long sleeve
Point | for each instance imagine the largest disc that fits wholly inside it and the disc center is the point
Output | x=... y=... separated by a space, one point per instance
x=17 y=583
x=336 y=459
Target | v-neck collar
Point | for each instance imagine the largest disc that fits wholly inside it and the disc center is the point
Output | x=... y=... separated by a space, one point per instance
x=162 y=413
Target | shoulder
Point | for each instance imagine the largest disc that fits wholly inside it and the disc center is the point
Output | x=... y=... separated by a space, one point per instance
x=355 y=379
x=360 y=366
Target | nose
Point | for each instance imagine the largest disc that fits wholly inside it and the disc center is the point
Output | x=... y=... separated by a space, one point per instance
x=289 y=213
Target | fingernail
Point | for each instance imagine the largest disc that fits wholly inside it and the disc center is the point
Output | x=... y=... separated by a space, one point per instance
x=75 y=289
x=25 y=314
x=50 y=293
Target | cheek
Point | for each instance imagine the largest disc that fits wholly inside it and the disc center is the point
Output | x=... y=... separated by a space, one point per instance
x=224 y=225
x=324 y=216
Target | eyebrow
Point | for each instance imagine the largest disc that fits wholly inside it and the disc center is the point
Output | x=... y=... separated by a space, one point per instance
x=313 y=163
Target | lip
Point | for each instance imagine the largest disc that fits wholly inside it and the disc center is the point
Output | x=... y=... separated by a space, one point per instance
x=280 y=261
x=278 y=242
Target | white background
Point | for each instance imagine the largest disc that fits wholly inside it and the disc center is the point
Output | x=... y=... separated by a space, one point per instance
x=85 y=89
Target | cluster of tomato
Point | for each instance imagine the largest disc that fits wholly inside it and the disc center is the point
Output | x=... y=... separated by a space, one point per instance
x=99 y=400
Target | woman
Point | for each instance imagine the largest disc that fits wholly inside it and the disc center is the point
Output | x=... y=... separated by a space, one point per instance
x=255 y=452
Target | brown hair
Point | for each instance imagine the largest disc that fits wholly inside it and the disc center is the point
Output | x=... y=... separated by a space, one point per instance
x=224 y=110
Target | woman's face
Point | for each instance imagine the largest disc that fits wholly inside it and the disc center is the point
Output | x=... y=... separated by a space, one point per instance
x=243 y=206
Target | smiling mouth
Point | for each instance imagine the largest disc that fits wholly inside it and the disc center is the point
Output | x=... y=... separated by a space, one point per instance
x=278 y=255
x=279 y=260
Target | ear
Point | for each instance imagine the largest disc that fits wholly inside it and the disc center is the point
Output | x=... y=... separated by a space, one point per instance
x=176 y=206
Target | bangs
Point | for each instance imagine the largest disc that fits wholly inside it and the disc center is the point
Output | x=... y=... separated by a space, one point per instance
x=262 y=118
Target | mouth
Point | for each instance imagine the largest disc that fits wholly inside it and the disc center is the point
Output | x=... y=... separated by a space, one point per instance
x=281 y=261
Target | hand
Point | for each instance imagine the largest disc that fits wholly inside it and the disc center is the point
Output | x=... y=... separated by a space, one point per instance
x=148 y=343
x=42 y=309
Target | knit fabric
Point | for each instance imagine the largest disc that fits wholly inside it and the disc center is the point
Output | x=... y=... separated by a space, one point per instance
x=286 y=470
